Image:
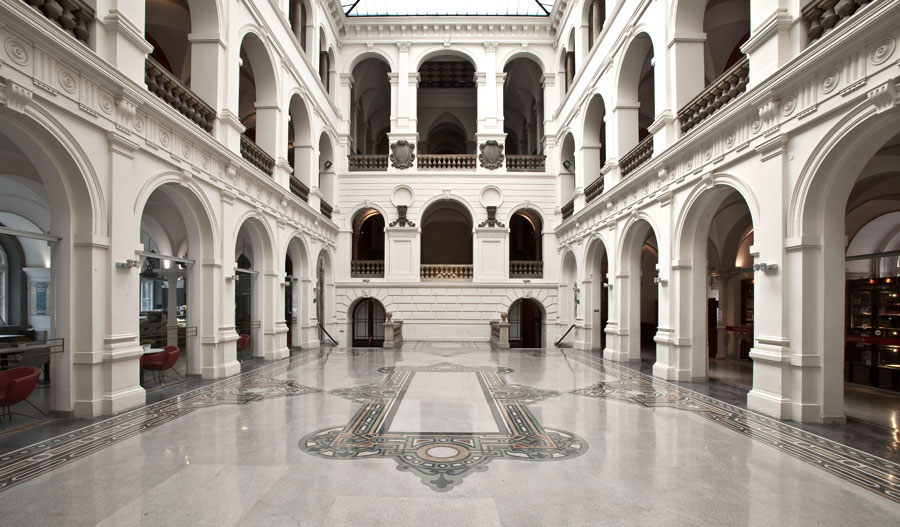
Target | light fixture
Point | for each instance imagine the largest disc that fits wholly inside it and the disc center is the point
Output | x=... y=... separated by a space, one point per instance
x=567 y=164
x=229 y=278
x=128 y=264
x=607 y=286
x=764 y=267
x=662 y=281
x=327 y=165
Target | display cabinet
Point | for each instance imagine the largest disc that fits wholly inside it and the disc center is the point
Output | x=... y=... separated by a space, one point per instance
x=872 y=337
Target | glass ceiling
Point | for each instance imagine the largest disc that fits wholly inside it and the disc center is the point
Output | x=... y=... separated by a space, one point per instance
x=447 y=7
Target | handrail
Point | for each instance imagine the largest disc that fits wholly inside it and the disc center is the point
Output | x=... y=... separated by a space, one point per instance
x=568 y=209
x=720 y=92
x=594 y=189
x=299 y=189
x=169 y=88
x=326 y=209
x=256 y=155
x=447 y=161
x=638 y=155
x=558 y=342
x=525 y=163
x=74 y=16
x=824 y=15
x=329 y=334
x=367 y=162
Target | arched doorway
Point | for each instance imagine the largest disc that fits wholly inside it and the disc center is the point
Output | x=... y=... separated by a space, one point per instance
x=569 y=297
x=324 y=292
x=523 y=107
x=255 y=306
x=598 y=264
x=639 y=299
x=368 y=245
x=446 y=241
x=447 y=80
x=370 y=103
x=296 y=282
x=526 y=258
x=526 y=322
x=368 y=324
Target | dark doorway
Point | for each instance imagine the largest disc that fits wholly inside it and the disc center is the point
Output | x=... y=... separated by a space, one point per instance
x=243 y=295
x=289 y=298
x=368 y=324
x=525 y=321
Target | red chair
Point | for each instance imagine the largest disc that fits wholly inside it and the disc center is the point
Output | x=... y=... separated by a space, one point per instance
x=15 y=386
x=161 y=361
x=243 y=342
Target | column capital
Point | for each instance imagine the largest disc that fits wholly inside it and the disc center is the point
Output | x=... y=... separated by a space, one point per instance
x=491 y=47
x=403 y=46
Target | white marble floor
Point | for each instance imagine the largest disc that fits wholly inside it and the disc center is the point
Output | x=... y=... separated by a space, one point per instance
x=590 y=444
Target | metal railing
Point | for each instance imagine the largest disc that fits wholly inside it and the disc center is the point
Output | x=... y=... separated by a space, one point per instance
x=446 y=161
x=526 y=163
x=526 y=269
x=74 y=16
x=328 y=334
x=445 y=271
x=594 y=189
x=367 y=268
x=299 y=189
x=170 y=89
x=368 y=162
x=566 y=334
x=256 y=155
x=245 y=327
x=326 y=209
x=568 y=209
x=637 y=156
x=720 y=92
x=824 y=15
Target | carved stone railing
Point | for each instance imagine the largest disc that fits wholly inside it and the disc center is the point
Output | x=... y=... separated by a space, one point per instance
x=360 y=163
x=367 y=268
x=256 y=155
x=170 y=89
x=500 y=332
x=525 y=163
x=823 y=15
x=594 y=189
x=299 y=189
x=638 y=156
x=446 y=272
x=722 y=90
x=568 y=209
x=75 y=16
x=447 y=161
x=526 y=269
x=393 y=332
x=326 y=209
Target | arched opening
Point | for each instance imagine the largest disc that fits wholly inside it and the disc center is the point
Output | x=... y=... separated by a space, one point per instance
x=257 y=104
x=526 y=258
x=296 y=288
x=368 y=245
x=175 y=233
x=526 y=323
x=252 y=248
x=326 y=61
x=368 y=323
x=719 y=316
x=298 y=15
x=569 y=293
x=523 y=108
x=593 y=147
x=324 y=292
x=595 y=17
x=181 y=70
x=446 y=241
x=567 y=176
x=370 y=107
x=635 y=104
x=300 y=147
x=326 y=173
x=640 y=292
x=598 y=262
x=447 y=105
x=567 y=62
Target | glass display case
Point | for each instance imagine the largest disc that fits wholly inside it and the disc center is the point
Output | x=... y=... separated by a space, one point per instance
x=872 y=337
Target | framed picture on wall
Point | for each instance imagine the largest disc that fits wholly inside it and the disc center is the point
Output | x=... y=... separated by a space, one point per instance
x=40 y=298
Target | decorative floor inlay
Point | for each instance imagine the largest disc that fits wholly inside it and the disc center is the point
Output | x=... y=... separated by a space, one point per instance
x=27 y=463
x=442 y=459
x=871 y=472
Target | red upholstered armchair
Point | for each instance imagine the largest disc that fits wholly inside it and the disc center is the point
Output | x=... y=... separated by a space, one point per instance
x=161 y=361
x=15 y=386
x=243 y=342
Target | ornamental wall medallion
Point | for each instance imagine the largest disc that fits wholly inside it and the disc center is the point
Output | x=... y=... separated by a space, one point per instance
x=492 y=220
x=402 y=220
x=403 y=154
x=491 y=156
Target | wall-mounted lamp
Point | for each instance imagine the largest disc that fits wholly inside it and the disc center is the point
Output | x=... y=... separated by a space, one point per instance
x=567 y=164
x=607 y=286
x=658 y=280
x=128 y=264
x=765 y=267
x=327 y=165
x=229 y=278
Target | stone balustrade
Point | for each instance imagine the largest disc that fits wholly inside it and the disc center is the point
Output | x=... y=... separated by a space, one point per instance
x=75 y=16
x=526 y=269
x=446 y=161
x=824 y=15
x=568 y=209
x=724 y=89
x=526 y=163
x=363 y=163
x=299 y=189
x=445 y=272
x=637 y=156
x=170 y=89
x=593 y=190
x=256 y=155
x=367 y=268
x=326 y=209
x=500 y=332
x=393 y=332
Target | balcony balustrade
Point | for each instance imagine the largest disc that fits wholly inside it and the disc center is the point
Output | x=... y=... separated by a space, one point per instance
x=256 y=156
x=824 y=15
x=568 y=209
x=446 y=272
x=367 y=268
x=170 y=89
x=326 y=209
x=721 y=91
x=594 y=189
x=299 y=189
x=525 y=163
x=363 y=163
x=446 y=161
x=526 y=269
x=75 y=16
x=638 y=156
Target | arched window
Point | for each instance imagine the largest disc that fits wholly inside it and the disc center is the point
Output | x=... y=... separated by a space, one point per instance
x=4 y=278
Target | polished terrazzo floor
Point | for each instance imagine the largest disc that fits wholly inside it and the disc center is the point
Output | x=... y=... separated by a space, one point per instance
x=440 y=434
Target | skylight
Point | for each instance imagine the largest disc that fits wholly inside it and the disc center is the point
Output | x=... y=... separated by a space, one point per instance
x=447 y=7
